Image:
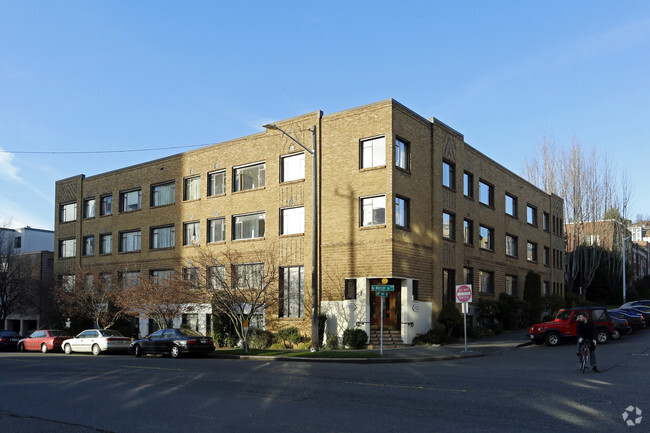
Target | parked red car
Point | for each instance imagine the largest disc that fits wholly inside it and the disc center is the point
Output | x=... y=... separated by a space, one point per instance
x=564 y=326
x=43 y=340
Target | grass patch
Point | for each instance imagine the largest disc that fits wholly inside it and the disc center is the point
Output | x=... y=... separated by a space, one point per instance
x=298 y=353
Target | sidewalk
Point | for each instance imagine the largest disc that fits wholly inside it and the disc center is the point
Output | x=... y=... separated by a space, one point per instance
x=475 y=348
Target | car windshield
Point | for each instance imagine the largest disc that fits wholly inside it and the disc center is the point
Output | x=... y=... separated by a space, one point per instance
x=111 y=333
x=563 y=315
x=190 y=333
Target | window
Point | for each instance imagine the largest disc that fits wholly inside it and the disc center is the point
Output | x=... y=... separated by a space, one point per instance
x=351 y=288
x=485 y=193
x=373 y=211
x=402 y=154
x=292 y=291
x=217 y=183
x=68 y=212
x=402 y=216
x=292 y=221
x=531 y=215
x=248 y=276
x=67 y=282
x=468 y=276
x=163 y=237
x=249 y=177
x=547 y=256
x=67 y=248
x=448 y=226
x=448 y=286
x=511 y=205
x=130 y=201
x=486 y=238
x=448 y=175
x=217 y=277
x=89 y=246
x=18 y=241
x=105 y=243
x=531 y=249
x=130 y=241
x=192 y=233
x=292 y=167
x=129 y=279
x=511 y=285
x=511 y=246
x=373 y=152
x=546 y=290
x=192 y=275
x=486 y=282
x=416 y=290
x=106 y=205
x=468 y=185
x=190 y=321
x=249 y=226
x=468 y=232
x=161 y=274
x=545 y=221
x=217 y=230
x=89 y=208
x=192 y=188
x=163 y=194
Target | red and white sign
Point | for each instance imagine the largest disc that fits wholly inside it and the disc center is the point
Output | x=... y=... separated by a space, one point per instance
x=464 y=293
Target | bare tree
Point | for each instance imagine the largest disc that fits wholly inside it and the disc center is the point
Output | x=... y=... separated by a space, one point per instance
x=241 y=283
x=589 y=188
x=161 y=299
x=17 y=277
x=92 y=293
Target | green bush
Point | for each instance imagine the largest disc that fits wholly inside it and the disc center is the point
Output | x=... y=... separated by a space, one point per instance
x=508 y=314
x=259 y=338
x=332 y=341
x=305 y=345
x=220 y=329
x=432 y=336
x=355 y=338
x=480 y=332
x=450 y=317
x=290 y=336
x=533 y=297
x=232 y=340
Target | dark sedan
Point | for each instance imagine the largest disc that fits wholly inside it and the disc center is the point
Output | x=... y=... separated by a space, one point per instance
x=634 y=319
x=9 y=340
x=173 y=342
x=621 y=327
x=645 y=311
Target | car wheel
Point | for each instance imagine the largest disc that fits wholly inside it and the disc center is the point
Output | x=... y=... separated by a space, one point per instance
x=629 y=331
x=175 y=352
x=21 y=348
x=44 y=348
x=137 y=350
x=616 y=334
x=67 y=349
x=96 y=350
x=552 y=339
x=602 y=336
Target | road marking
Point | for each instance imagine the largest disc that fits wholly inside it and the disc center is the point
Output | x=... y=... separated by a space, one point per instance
x=153 y=368
x=404 y=386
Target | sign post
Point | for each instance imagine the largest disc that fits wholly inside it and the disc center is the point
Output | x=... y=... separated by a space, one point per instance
x=382 y=290
x=464 y=297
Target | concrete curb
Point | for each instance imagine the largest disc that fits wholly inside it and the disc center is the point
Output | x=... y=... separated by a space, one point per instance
x=352 y=360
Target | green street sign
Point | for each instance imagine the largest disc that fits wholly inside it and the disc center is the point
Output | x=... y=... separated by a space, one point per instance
x=382 y=294
x=383 y=288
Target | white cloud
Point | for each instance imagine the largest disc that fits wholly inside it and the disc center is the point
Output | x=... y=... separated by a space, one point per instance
x=8 y=170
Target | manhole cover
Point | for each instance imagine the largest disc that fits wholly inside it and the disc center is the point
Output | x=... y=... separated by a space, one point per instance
x=593 y=401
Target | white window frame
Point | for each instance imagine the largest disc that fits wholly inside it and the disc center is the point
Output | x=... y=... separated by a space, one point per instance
x=242 y=225
x=292 y=167
x=249 y=177
x=192 y=188
x=67 y=248
x=213 y=185
x=292 y=220
x=68 y=212
x=211 y=230
x=372 y=152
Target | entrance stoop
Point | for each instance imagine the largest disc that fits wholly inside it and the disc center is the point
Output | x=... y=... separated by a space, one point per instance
x=392 y=340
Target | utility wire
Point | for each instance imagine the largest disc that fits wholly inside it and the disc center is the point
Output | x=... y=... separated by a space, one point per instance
x=100 y=151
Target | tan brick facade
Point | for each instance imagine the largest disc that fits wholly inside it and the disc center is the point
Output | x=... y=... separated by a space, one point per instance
x=412 y=257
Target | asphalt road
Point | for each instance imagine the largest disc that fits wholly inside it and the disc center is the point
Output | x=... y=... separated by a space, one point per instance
x=531 y=389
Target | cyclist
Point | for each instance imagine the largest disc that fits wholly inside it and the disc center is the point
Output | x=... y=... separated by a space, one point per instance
x=586 y=331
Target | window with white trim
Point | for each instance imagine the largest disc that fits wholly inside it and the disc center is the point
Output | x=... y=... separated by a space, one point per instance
x=373 y=152
x=292 y=167
x=292 y=220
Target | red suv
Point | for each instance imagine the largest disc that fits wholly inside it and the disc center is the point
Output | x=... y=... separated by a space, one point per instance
x=564 y=326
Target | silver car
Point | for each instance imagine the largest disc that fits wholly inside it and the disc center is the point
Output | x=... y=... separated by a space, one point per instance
x=97 y=341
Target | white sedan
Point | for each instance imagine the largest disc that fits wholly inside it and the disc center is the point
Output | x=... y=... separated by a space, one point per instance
x=96 y=341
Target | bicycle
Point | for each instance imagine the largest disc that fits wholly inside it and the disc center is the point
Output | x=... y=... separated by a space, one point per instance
x=584 y=356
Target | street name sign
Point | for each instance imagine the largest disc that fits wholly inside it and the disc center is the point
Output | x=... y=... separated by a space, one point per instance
x=383 y=288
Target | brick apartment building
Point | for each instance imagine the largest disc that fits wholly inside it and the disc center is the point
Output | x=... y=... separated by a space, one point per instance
x=402 y=200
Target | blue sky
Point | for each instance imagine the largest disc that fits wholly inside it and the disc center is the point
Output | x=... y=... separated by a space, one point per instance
x=117 y=75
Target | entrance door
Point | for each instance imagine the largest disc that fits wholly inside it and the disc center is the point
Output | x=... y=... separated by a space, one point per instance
x=391 y=312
